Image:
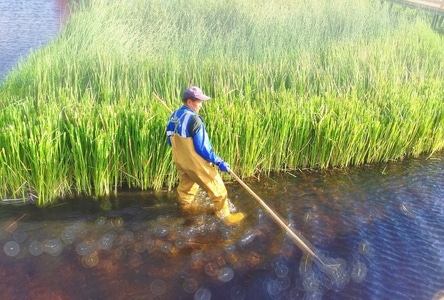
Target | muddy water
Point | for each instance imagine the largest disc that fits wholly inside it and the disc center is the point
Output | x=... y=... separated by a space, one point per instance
x=382 y=225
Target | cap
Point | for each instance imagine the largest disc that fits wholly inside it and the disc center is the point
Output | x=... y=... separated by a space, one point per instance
x=195 y=93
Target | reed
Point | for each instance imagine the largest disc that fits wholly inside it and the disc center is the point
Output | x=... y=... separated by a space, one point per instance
x=309 y=84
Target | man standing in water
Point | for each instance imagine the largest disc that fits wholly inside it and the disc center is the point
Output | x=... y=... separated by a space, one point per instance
x=194 y=158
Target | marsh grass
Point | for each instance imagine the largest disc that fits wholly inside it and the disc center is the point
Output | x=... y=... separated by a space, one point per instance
x=296 y=84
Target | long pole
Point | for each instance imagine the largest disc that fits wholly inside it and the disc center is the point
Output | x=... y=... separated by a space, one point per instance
x=304 y=246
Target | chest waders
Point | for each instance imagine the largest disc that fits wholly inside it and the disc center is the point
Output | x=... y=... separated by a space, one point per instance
x=195 y=171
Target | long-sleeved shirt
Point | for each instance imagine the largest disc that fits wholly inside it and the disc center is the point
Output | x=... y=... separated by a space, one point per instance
x=188 y=124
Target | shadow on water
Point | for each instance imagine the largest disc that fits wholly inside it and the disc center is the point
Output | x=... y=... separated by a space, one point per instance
x=383 y=223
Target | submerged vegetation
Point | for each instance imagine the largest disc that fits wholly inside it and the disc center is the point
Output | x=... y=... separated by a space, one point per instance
x=296 y=84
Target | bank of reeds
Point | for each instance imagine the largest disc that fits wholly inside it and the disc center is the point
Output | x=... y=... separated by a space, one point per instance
x=296 y=84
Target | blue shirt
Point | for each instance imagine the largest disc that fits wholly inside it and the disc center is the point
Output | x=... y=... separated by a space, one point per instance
x=188 y=124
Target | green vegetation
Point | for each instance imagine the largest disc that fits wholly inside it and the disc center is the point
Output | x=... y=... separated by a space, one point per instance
x=296 y=84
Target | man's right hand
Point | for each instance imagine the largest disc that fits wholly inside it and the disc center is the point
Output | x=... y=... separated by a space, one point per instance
x=224 y=167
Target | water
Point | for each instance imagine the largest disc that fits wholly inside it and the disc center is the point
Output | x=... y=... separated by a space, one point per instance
x=26 y=25
x=381 y=225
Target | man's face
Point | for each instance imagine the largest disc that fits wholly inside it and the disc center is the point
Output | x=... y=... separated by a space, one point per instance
x=195 y=105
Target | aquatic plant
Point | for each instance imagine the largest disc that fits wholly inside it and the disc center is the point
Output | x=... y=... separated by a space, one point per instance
x=309 y=84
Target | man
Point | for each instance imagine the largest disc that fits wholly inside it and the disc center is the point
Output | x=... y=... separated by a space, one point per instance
x=194 y=158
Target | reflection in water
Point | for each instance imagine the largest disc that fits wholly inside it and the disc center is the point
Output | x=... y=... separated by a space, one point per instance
x=382 y=229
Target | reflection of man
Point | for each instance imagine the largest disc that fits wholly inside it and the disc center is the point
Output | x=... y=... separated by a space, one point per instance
x=194 y=155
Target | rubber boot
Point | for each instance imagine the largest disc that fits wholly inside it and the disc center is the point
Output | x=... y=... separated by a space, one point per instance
x=229 y=218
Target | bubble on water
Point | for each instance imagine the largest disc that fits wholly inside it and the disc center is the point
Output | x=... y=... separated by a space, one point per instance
x=225 y=274
x=68 y=235
x=162 y=231
x=78 y=227
x=281 y=270
x=310 y=282
x=179 y=243
x=226 y=232
x=106 y=241
x=101 y=221
x=166 y=247
x=197 y=255
x=19 y=236
x=139 y=247
x=238 y=292
x=296 y=294
x=202 y=294
x=11 y=248
x=189 y=232
x=158 y=287
x=338 y=275
x=135 y=260
x=36 y=248
x=84 y=248
x=272 y=287
x=284 y=282
x=248 y=237
x=53 y=247
x=190 y=285
x=313 y=296
x=229 y=248
x=128 y=235
x=120 y=253
x=211 y=269
x=90 y=260
x=359 y=271
x=364 y=248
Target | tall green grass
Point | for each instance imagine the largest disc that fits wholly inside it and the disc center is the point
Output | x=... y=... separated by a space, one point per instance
x=296 y=84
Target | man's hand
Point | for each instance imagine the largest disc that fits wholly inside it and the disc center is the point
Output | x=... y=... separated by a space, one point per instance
x=224 y=167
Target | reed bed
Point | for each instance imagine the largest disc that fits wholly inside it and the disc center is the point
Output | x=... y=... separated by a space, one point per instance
x=296 y=84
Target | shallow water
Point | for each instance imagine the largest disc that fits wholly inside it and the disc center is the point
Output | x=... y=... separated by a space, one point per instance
x=382 y=224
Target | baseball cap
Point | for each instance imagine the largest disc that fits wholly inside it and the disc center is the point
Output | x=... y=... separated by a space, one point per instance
x=195 y=93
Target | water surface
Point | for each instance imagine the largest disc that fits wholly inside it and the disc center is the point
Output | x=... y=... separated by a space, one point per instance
x=26 y=25
x=382 y=224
